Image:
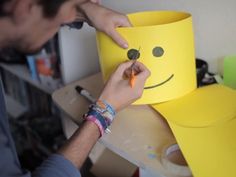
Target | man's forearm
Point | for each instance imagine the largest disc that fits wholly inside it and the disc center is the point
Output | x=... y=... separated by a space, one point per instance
x=79 y=145
x=101 y=114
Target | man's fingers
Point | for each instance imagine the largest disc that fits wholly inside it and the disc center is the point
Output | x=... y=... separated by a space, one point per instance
x=96 y=1
x=124 y=22
x=117 y=38
x=123 y=67
x=140 y=69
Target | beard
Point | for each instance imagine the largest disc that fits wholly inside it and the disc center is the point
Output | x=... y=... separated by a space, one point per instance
x=28 y=49
x=17 y=50
x=17 y=54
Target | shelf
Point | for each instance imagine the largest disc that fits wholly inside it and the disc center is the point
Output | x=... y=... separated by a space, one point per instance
x=22 y=72
x=14 y=108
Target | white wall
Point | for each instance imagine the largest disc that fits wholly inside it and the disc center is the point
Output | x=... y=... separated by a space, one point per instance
x=214 y=26
x=78 y=50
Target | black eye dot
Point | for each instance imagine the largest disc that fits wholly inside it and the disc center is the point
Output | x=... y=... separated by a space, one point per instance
x=157 y=51
x=133 y=54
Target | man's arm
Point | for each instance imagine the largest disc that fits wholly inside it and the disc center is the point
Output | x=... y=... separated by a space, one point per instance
x=69 y=159
x=79 y=145
x=119 y=94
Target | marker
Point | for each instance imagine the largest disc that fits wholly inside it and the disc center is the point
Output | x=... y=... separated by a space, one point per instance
x=132 y=75
x=132 y=78
x=85 y=94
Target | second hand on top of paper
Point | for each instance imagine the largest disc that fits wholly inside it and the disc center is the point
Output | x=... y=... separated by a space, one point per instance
x=132 y=74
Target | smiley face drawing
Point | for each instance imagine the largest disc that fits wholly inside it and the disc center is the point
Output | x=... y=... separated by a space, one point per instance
x=163 y=42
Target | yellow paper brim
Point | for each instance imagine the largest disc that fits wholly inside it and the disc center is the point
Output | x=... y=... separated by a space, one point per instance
x=204 y=124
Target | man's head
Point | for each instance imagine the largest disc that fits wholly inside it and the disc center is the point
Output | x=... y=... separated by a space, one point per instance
x=28 y=24
x=50 y=8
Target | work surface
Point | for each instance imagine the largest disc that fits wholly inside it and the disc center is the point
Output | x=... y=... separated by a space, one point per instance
x=138 y=133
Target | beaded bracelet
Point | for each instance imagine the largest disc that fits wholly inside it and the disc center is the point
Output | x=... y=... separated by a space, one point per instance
x=97 y=122
x=102 y=114
x=106 y=110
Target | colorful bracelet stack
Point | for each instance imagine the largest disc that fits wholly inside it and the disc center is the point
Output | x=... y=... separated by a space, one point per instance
x=102 y=114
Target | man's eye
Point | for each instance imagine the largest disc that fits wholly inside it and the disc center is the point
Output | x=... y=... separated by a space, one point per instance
x=157 y=51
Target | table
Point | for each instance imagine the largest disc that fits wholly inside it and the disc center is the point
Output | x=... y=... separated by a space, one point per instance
x=138 y=133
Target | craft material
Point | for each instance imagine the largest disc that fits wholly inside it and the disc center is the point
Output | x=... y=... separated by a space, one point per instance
x=166 y=38
x=204 y=124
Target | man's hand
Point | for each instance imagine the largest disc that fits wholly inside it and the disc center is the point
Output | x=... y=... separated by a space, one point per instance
x=119 y=94
x=118 y=91
x=96 y=1
x=105 y=20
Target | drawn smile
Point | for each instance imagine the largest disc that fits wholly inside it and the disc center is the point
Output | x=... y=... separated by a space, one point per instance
x=157 y=85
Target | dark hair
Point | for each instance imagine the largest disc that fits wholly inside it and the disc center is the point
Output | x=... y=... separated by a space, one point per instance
x=50 y=7
x=2 y=13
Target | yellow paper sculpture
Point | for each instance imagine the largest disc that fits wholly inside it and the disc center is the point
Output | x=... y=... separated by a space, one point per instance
x=202 y=120
x=204 y=124
x=165 y=39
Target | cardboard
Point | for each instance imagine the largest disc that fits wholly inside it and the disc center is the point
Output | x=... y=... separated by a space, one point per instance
x=165 y=39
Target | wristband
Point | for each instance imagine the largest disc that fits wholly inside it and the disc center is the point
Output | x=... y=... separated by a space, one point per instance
x=102 y=114
x=97 y=122
x=99 y=117
x=105 y=110
x=103 y=104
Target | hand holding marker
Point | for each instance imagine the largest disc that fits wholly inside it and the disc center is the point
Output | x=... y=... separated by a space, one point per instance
x=132 y=74
x=134 y=56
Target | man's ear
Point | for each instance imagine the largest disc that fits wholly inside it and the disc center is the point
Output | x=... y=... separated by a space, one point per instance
x=21 y=10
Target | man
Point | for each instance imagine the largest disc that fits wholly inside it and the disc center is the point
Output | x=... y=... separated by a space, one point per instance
x=26 y=25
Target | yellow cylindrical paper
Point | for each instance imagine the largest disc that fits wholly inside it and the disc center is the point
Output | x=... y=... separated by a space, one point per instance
x=166 y=43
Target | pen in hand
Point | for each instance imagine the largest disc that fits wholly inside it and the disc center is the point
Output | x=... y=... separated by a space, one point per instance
x=132 y=74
